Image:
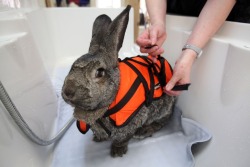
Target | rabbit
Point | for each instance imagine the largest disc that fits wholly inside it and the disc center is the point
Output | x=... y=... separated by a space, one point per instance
x=93 y=82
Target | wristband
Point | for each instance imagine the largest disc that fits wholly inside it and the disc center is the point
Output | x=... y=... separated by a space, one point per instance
x=196 y=49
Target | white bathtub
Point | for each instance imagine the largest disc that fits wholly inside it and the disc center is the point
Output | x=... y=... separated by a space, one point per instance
x=37 y=45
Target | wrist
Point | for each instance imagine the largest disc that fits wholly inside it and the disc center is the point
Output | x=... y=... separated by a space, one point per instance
x=194 y=48
x=159 y=23
x=189 y=56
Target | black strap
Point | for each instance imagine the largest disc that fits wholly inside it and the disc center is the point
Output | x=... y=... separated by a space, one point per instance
x=129 y=118
x=149 y=92
x=140 y=76
x=125 y=99
x=151 y=70
x=162 y=74
x=104 y=127
x=181 y=87
x=136 y=61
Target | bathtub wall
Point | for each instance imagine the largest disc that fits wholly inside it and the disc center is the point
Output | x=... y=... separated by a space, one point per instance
x=25 y=78
x=64 y=34
x=32 y=44
x=219 y=95
x=20 y=4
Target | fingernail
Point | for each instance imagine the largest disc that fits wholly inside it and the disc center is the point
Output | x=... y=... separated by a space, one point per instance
x=167 y=88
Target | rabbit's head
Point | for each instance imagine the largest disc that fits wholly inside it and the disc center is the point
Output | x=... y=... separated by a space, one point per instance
x=93 y=80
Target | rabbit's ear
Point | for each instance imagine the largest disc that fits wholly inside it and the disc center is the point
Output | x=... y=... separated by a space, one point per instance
x=99 y=31
x=107 y=35
x=117 y=31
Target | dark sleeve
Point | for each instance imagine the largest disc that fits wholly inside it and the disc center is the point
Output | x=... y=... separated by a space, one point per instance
x=240 y=12
x=242 y=1
x=185 y=7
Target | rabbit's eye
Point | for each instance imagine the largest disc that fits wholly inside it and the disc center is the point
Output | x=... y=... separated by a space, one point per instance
x=100 y=73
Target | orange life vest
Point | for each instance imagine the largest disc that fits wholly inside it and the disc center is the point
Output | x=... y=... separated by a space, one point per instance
x=141 y=82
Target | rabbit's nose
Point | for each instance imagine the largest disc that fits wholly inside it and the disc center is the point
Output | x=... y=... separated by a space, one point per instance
x=69 y=93
x=70 y=89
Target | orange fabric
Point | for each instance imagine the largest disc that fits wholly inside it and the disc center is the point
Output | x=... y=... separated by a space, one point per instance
x=127 y=78
x=83 y=126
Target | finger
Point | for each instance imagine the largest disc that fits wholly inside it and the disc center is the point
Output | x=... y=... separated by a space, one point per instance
x=153 y=36
x=144 y=34
x=143 y=39
x=161 y=40
x=153 y=58
x=143 y=50
x=157 y=52
x=142 y=42
x=172 y=93
x=171 y=83
x=168 y=89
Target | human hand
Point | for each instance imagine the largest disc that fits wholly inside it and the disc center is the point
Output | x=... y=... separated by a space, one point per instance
x=151 y=40
x=181 y=72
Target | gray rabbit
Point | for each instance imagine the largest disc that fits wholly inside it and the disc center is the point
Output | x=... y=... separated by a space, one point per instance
x=93 y=88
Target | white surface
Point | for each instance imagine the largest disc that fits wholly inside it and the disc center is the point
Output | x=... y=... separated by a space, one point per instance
x=32 y=45
x=165 y=149
x=219 y=95
x=16 y=4
x=23 y=74
x=64 y=34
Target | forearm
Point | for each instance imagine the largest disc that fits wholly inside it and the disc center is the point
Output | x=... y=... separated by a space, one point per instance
x=212 y=16
x=157 y=11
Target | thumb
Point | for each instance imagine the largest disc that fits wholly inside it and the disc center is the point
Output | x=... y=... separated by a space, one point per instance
x=153 y=36
x=171 y=83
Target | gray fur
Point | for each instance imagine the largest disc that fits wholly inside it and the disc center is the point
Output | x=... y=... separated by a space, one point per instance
x=93 y=82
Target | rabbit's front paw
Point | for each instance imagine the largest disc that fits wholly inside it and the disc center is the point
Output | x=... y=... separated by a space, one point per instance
x=144 y=132
x=99 y=139
x=118 y=151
